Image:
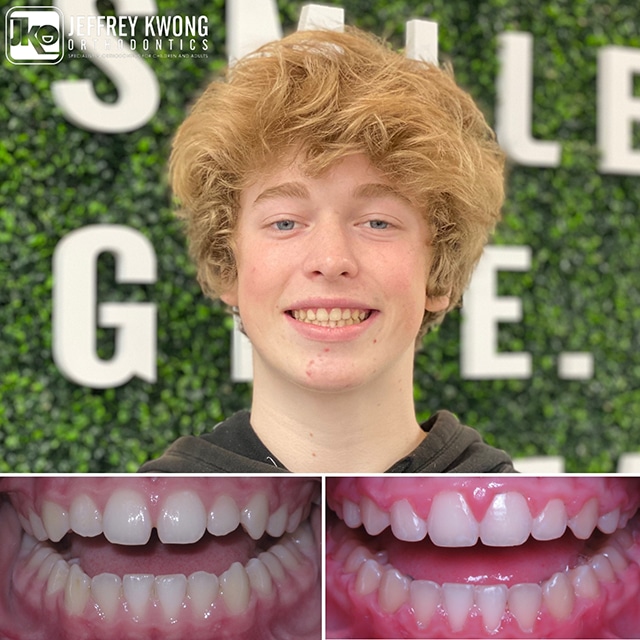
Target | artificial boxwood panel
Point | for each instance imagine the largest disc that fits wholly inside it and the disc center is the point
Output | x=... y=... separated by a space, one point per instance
x=582 y=292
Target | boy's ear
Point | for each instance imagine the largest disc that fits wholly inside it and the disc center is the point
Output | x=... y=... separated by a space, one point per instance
x=230 y=296
x=434 y=304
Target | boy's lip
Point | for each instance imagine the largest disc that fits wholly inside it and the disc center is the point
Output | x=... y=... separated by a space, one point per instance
x=248 y=580
x=567 y=586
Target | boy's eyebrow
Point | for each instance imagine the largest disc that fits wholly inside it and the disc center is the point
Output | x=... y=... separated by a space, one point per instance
x=378 y=190
x=284 y=190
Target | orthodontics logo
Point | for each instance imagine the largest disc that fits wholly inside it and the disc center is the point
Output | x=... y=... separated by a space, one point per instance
x=34 y=35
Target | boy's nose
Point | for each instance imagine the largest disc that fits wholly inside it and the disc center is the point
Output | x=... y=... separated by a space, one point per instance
x=331 y=253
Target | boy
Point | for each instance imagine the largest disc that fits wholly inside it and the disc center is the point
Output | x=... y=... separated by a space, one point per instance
x=337 y=197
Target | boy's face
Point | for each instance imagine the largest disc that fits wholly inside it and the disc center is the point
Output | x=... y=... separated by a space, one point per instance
x=332 y=274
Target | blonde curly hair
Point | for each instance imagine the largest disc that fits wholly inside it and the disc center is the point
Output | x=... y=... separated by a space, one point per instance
x=333 y=94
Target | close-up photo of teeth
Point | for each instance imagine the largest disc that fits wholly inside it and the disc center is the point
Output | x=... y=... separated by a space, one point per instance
x=101 y=558
x=483 y=557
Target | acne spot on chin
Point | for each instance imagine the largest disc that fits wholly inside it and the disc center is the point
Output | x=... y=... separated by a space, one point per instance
x=326 y=349
x=309 y=371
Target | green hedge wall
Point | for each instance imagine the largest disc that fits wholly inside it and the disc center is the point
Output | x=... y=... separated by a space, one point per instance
x=581 y=294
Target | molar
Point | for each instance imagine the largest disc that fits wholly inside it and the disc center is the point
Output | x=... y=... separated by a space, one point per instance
x=126 y=518
x=450 y=522
x=183 y=519
x=507 y=522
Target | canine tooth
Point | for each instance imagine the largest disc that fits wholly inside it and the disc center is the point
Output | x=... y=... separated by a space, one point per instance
x=202 y=589
x=492 y=601
x=278 y=521
x=608 y=522
x=356 y=558
x=58 y=577
x=507 y=522
x=254 y=516
x=183 y=519
x=616 y=559
x=603 y=569
x=294 y=520
x=424 y=597
x=105 y=589
x=126 y=518
x=85 y=517
x=551 y=522
x=368 y=577
x=274 y=566
x=234 y=587
x=458 y=600
x=374 y=519
x=584 y=522
x=76 y=591
x=394 y=591
x=55 y=520
x=137 y=588
x=524 y=603
x=585 y=582
x=171 y=591
x=405 y=523
x=37 y=526
x=259 y=577
x=224 y=516
x=450 y=522
x=559 y=596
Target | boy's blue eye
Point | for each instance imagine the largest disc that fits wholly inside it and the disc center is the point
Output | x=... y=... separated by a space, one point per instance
x=378 y=224
x=285 y=225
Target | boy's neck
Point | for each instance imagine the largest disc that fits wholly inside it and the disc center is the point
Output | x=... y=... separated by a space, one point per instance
x=364 y=430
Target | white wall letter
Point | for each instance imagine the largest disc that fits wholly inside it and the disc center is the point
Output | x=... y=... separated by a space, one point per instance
x=484 y=309
x=137 y=85
x=75 y=307
x=618 y=109
x=514 y=104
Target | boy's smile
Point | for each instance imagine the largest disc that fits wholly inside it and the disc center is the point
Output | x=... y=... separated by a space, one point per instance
x=332 y=274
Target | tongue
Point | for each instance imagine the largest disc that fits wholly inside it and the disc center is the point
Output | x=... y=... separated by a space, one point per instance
x=211 y=554
x=532 y=562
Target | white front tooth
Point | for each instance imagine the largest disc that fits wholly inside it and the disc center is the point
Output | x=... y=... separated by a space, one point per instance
x=37 y=526
x=235 y=589
x=492 y=601
x=351 y=514
x=507 y=522
x=203 y=591
x=551 y=522
x=58 y=577
x=259 y=578
x=274 y=566
x=85 y=517
x=608 y=522
x=616 y=559
x=524 y=603
x=368 y=577
x=183 y=519
x=137 y=589
x=424 y=597
x=126 y=518
x=224 y=516
x=105 y=589
x=458 y=600
x=76 y=591
x=255 y=515
x=559 y=596
x=405 y=523
x=171 y=591
x=55 y=520
x=585 y=582
x=603 y=569
x=584 y=522
x=394 y=591
x=278 y=521
x=450 y=522
x=374 y=519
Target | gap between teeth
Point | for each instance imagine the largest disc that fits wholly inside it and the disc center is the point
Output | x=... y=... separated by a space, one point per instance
x=507 y=522
x=182 y=519
x=333 y=318
x=457 y=601
x=139 y=594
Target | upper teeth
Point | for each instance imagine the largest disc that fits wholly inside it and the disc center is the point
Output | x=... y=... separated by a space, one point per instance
x=182 y=518
x=507 y=521
x=335 y=317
